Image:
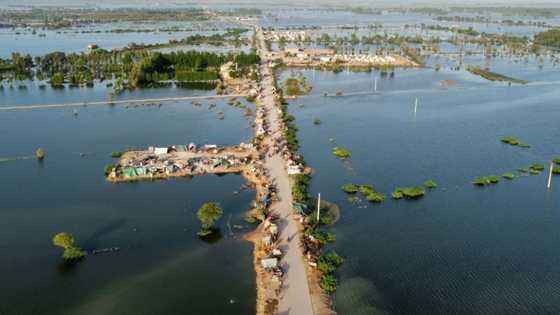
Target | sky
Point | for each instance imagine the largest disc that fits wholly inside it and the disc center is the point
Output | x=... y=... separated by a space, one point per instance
x=349 y=2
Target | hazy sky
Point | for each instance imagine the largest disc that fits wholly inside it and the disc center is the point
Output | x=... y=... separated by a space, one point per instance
x=530 y=3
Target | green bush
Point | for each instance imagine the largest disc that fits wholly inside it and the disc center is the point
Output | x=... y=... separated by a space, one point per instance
x=350 y=188
x=430 y=184
x=513 y=141
x=300 y=191
x=329 y=262
x=485 y=180
x=375 y=196
x=328 y=283
x=341 y=153
x=316 y=121
x=208 y=214
x=556 y=161
x=509 y=140
x=322 y=238
x=537 y=167
x=366 y=189
x=108 y=169
x=411 y=192
x=40 y=154
x=116 y=154
x=397 y=194
x=66 y=241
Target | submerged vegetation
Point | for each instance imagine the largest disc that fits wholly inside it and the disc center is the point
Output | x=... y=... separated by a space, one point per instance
x=408 y=192
x=537 y=167
x=430 y=184
x=492 y=76
x=341 y=153
x=513 y=141
x=508 y=175
x=485 y=180
x=40 y=154
x=66 y=241
x=296 y=86
x=366 y=190
x=350 y=188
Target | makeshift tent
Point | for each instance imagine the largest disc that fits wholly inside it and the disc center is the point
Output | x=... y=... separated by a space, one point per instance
x=129 y=172
x=160 y=151
x=265 y=201
x=140 y=171
x=269 y=263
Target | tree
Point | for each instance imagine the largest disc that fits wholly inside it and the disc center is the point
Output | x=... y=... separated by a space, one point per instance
x=208 y=214
x=66 y=241
x=40 y=154
x=57 y=80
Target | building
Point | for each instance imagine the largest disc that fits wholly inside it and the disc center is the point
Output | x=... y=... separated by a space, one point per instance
x=309 y=52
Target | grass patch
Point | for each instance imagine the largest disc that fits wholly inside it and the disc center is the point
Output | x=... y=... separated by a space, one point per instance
x=556 y=161
x=556 y=170
x=316 y=121
x=341 y=153
x=116 y=154
x=397 y=194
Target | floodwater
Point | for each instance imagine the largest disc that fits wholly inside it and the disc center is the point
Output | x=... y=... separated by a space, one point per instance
x=72 y=40
x=461 y=249
x=161 y=267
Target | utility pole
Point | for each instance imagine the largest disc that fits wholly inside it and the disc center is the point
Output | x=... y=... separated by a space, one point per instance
x=318 y=208
x=550 y=175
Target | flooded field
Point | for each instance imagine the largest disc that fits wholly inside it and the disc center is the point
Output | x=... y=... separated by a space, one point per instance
x=460 y=249
x=153 y=224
